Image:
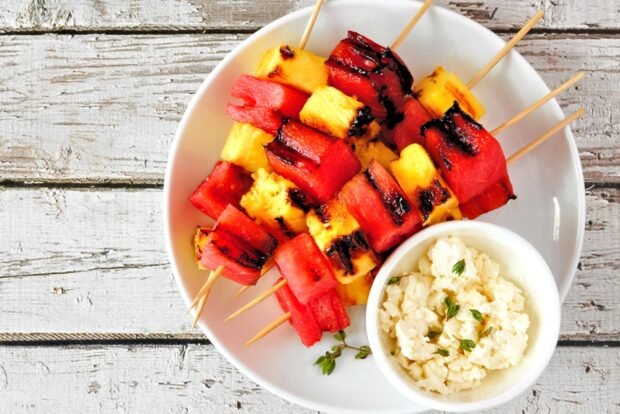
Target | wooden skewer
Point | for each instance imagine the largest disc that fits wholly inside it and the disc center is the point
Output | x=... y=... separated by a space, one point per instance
x=414 y=20
x=257 y=300
x=243 y=289
x=273 y=325
x=544 y=136
x=487 y=68
x=206 y=288
x=310 y=25
x=539 y=103
x=201 y=306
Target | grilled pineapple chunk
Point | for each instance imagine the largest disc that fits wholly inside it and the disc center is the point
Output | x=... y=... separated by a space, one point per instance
x=438 y=92
x=355 y=293
x=338 y=114
x=418 y=177
x=340 y=238
x=276 y=203
x=199 y=242
x=367 y=151
x=294 y=67
x=245 y=147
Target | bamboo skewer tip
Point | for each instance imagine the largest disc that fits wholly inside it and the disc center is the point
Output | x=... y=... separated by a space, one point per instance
x=411 y=24
x=576 y=78
x=257 y=300
x=504 y=51
x=546 y=135
x=273 y=325
x=306 y=35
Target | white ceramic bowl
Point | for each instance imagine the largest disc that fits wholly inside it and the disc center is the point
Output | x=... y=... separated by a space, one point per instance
x=550 y=214
x=520 y=263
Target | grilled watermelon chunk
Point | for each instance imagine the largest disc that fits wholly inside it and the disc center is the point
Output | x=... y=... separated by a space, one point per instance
x=329 y=312
x=302 y=317
x=240 y=245
x=357 y=85
x=225 y=185
x=470 y=158
x=492 y=198
x=306 y=270
x=409 y=130
x=264 y=103
x=318 y=164
x=380 y=206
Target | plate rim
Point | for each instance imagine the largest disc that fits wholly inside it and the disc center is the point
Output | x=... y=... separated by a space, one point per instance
x=166 y=199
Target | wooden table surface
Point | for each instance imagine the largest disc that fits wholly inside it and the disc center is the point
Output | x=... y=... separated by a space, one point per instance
x=91 y=92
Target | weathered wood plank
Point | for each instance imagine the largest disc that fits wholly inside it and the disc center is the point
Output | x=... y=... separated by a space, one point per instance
x=190 y=378
x=93 y=260
x=97 y=108
x=80 y=15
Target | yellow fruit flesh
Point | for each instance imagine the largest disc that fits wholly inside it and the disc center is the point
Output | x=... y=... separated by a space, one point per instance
x=269 y=202
x=355 y=293
x=245 y=147
x=367 y=151
x=334 y=113
x=336 y=224
x=415 y=172
x=294 y=67
x=438 y=92
x=199 y=242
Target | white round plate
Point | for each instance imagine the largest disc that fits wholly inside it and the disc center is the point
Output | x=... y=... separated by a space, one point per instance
x=549 y=211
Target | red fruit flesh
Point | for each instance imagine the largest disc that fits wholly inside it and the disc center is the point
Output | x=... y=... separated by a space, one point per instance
x=242 y=263
x=316 y=163
x=380 y=206
x=243 y=227
x=302 y=317
x=357 y=85
x=409 y=130
x=470 y=158
x=492 y=198
x=329 y=312
x=306 y=270
x=265 y=103
x=240 y=245
x=226 y=184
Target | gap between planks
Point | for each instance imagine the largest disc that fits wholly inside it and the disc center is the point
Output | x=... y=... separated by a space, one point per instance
x=163 y=339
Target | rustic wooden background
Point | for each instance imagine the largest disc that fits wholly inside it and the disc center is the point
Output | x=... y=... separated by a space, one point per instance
x=91 y=92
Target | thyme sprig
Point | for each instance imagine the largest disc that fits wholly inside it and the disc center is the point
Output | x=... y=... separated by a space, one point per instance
x=327 y=361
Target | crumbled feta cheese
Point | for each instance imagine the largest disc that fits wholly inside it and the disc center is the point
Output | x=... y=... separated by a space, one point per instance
x=428 y=345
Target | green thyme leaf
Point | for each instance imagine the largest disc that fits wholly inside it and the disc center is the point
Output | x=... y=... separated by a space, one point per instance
x=340 y=336
x=433 y=334
x=320 y=360
x=477 y=315
x=451 y=308
x=442 y=352
x=467 y=345
x=331 y=367
x=361 y=355
x=486 y=332
x=394 y=280
x=459 y=267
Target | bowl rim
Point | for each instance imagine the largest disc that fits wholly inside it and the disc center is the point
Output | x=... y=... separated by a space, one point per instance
x=545 y=351
x=193 y=103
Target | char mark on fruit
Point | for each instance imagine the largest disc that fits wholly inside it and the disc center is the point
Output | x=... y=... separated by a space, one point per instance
x=360 y=123
x=345 y=248
x=459 y=137
x=322 y=213
x=238 y=250
x=299 y=199
x=430 y=197
x=394 y=202
x=286 y=52
x=285 y=229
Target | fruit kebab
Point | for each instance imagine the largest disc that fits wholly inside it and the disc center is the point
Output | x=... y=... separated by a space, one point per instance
x=306 y=292
x=377 y=76
x=208 y=198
